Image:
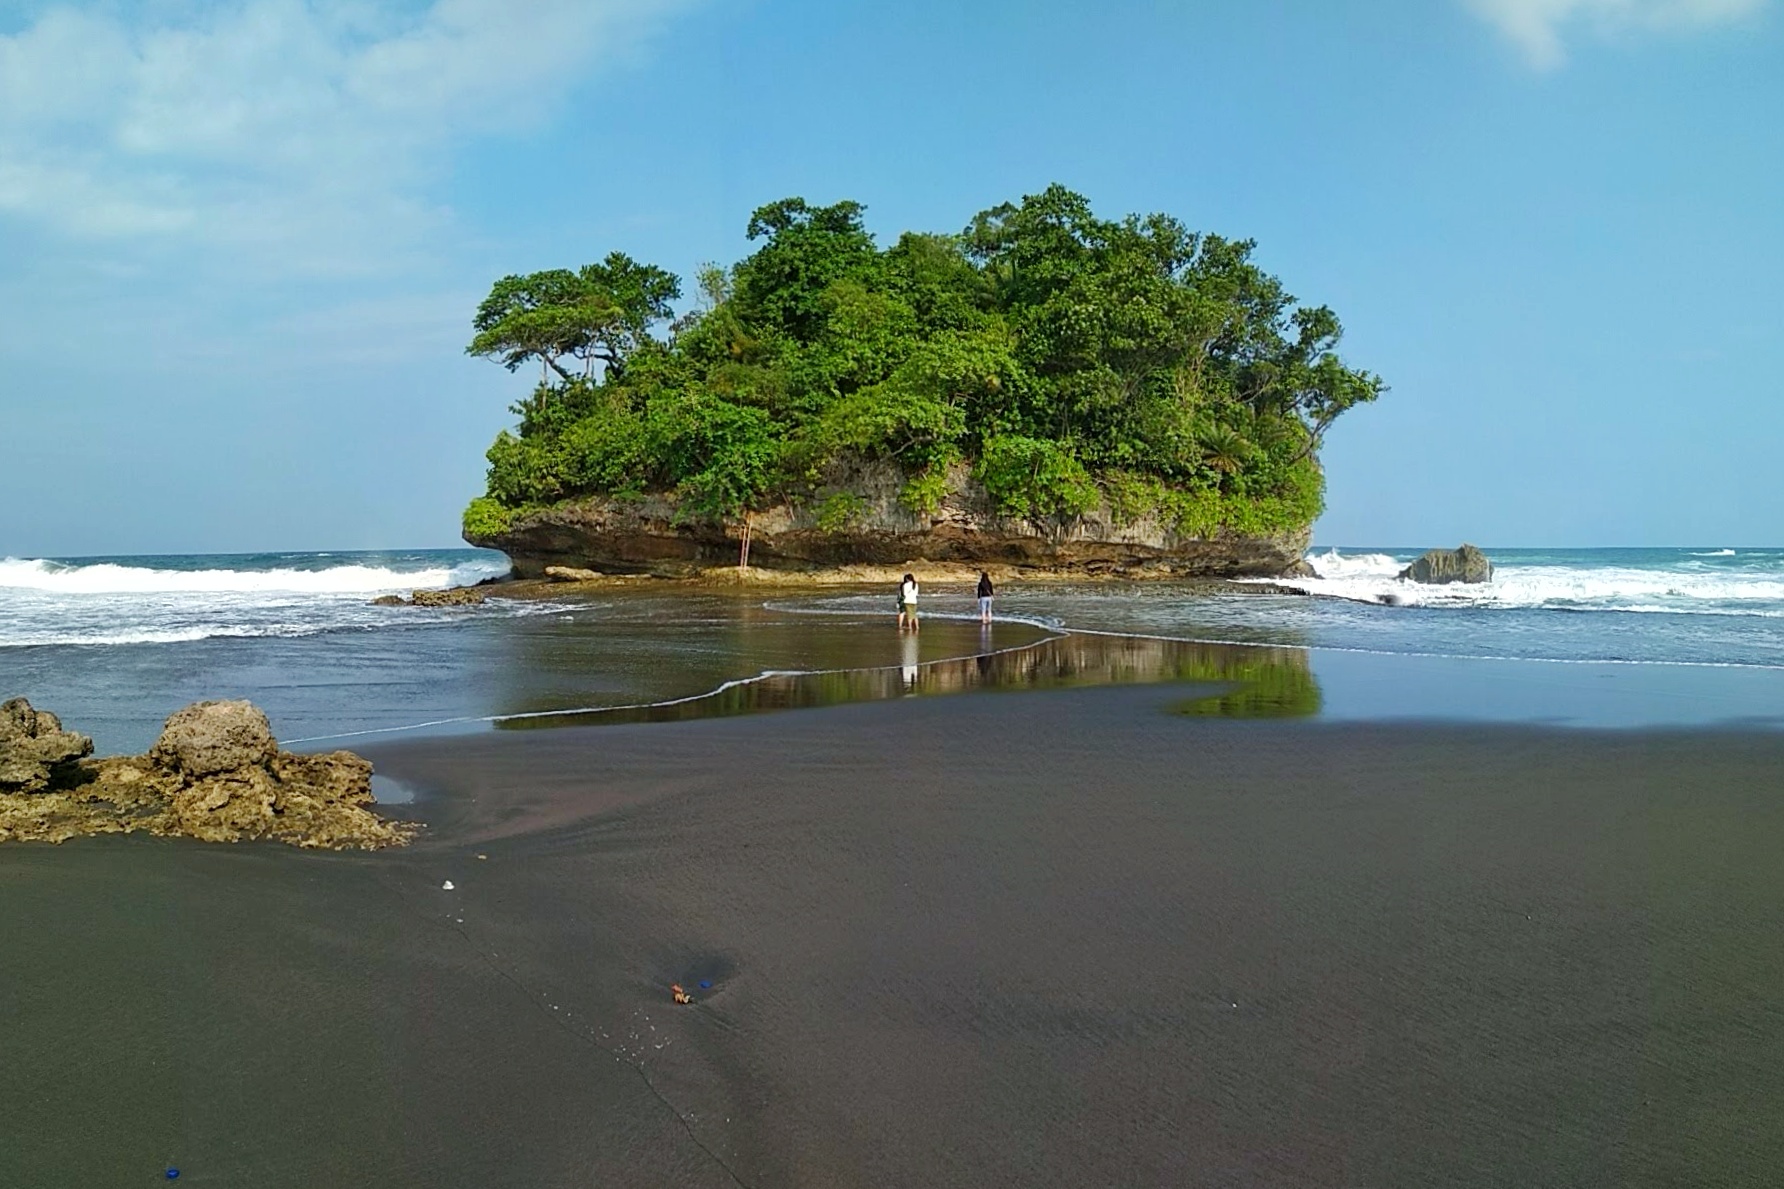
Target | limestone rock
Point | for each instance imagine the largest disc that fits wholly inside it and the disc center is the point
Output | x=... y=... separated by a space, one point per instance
x=1439 y=566
x=210 y=737
x=571 y=574
x=34 y=749
x=658 y=533
x=458 y=596
x=312 y=801
x=216 y=774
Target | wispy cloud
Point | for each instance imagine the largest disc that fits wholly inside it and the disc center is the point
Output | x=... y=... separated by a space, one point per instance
x=306 y=132
x=1539 y=28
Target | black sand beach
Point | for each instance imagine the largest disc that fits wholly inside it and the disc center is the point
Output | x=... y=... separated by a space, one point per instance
x=1057 y=938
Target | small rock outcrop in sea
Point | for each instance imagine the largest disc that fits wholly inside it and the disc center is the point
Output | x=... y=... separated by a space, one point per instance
x=215 y=774
x=35 y=750
x=1439 y=566
x=457 y=596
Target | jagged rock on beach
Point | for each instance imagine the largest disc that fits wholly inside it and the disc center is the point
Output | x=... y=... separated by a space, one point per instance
x=216 y=774
x=34 y=749
x=571 y=574
x=1440 y=566
x=210 y=737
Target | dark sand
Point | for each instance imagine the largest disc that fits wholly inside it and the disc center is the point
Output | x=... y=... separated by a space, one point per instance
x=1061 y=938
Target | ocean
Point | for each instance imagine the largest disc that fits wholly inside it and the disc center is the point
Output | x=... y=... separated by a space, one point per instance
x=1591 y=637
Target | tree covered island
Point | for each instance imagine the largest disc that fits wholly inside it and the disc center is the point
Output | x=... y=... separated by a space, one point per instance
x=1045 y=386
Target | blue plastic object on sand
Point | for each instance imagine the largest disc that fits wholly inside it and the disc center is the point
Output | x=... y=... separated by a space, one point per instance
x=705 y=983
x=173 y=1174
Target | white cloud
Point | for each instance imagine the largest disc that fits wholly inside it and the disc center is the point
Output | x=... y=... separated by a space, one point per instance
x=1538 y=27
x=304 y=131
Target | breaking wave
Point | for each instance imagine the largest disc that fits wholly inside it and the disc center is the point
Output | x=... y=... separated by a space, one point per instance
x=103 y=578
x=1674 y=587
x=120 y=601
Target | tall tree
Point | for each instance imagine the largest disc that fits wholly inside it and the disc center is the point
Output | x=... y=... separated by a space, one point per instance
x=600 y=313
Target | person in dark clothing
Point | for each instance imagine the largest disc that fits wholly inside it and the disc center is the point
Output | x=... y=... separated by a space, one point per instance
x=985 y=593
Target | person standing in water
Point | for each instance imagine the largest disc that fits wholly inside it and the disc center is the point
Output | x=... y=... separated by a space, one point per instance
x=985 y=592
x=907 y=604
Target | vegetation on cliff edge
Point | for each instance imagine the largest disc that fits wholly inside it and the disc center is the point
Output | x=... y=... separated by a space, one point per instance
x=1067 y=359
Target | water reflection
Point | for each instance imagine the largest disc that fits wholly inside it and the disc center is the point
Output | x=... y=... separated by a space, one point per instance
x=1253 y=682
x=625 y=651
x=1266 y=683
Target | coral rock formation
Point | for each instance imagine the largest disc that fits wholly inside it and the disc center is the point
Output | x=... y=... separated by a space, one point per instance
x=457 y=596
x=211 y=737
x=34 y=749
x=215 y=774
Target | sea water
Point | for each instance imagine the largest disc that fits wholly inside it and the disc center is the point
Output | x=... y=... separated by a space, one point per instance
x=1590 y=637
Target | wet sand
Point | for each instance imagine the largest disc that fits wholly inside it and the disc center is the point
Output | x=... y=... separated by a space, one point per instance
x=1047 y=938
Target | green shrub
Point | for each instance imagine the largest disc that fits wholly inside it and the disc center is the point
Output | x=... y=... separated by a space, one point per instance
x=1296 y=502
x=840 y=510
x=1131 y=496
x=526 y=470
x=486 y=519
x=924 y=491
x=1035 y=480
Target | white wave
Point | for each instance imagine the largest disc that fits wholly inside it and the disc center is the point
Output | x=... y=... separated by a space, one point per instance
x=1716 y=553
x=1374 y=578
x=151 y=635
x=104 y=578
x=1334 y=565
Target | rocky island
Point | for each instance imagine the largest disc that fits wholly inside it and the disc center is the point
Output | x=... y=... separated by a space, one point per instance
x=1044 y=389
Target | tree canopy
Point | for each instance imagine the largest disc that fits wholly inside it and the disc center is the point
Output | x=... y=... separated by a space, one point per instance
x=1066 y=358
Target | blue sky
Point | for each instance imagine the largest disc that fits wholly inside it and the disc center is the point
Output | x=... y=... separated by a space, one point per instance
x=240 y=243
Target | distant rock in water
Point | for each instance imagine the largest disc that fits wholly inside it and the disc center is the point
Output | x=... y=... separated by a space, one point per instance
x=215 y=774
x=1440 y=566
x=457 y=596
x=34 y=749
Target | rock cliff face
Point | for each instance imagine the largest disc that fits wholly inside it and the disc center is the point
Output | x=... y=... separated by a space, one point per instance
x=863 y=522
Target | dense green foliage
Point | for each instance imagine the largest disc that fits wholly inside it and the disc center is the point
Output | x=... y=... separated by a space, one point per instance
x=1065 y=358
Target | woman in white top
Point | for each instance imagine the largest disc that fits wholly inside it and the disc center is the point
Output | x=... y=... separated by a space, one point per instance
x=907 y=604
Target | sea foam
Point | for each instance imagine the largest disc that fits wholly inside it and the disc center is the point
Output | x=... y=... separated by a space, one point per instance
x=101 y=578
x=46 y=602
x=1688 y=588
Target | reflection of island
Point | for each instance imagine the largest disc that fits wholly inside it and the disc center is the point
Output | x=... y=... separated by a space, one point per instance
x=1256 y=681
x=1267 y=683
